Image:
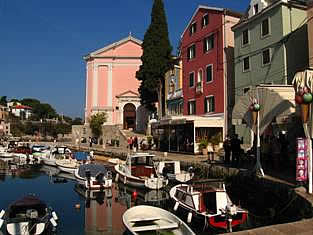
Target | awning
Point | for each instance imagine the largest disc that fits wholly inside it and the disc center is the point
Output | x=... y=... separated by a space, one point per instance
x=273 y=106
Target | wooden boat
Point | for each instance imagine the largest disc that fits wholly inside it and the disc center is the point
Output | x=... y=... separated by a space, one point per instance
x=67 y=165
x=28 y=215
x=139 y=171
x=173 y=171
x=94 y=176
x=154 y=220
x=208 y=203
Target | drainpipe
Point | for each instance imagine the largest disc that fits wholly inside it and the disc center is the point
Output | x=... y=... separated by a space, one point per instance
x=226 y=99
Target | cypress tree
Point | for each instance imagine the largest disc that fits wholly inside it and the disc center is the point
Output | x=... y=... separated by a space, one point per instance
x=156 y=58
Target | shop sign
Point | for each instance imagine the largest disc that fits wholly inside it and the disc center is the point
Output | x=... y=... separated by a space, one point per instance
x=302 y=160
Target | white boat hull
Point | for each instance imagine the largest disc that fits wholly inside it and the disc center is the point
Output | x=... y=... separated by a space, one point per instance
x=140 y=182
x=153 y=219
x=22 y=228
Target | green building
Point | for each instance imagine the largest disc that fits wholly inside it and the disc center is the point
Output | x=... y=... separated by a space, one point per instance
x=271 y=45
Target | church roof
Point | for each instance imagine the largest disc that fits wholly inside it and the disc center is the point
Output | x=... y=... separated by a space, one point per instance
x=114 y=45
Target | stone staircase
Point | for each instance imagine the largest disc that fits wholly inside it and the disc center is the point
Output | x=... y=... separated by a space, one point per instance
x=114 y=132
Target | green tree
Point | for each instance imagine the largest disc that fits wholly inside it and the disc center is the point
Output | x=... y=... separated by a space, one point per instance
x=30 y=102
x=96 y=122
x=3 y=101
x=156 y=58
x=77 y=121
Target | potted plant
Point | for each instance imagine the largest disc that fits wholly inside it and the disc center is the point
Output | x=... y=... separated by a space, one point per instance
x=203 y=146
x=215 y=140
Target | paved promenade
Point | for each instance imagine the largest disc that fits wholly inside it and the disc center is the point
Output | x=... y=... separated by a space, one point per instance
x=303 y=227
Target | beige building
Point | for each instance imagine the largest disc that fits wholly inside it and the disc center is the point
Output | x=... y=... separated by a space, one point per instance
x=4 y=125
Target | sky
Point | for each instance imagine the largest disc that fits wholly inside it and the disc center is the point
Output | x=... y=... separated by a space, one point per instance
x=42 y=42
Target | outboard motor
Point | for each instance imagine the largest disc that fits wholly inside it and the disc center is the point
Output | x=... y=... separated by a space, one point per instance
x=99 y=177
x=88 y=176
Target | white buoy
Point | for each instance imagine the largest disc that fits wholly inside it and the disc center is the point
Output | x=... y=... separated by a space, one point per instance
x=189 y=217
x=2 y=213
x=54 y=215
x=53 y=222
x=176 y=206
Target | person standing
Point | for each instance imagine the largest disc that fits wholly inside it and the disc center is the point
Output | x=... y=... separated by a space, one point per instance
x=235 y=149
x=90 y=142
x=227 y=149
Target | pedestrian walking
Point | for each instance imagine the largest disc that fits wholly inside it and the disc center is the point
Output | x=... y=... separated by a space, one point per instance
x=90 y=142
x=227 y=149
x=131 y=143
x=235 y=143
x=128 y=142
x=135 y=143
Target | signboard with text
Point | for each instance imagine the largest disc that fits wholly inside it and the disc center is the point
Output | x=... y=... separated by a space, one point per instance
x=302 y=160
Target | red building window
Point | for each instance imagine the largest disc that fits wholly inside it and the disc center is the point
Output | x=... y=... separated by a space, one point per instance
x=193 y=28
x=191 y=52
x=208 y=43
x=191 y=107
x=205 y=20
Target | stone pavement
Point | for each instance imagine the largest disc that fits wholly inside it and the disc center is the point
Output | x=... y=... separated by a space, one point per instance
x=303 y=227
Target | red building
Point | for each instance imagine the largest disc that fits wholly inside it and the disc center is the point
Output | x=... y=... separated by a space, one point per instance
x=207 y=47
x=206 y=50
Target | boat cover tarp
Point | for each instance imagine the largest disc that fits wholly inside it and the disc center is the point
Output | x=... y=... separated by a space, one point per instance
x=26 y=203
x=93 y=168
x=80 y=156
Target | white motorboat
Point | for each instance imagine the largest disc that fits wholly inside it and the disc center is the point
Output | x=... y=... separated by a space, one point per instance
x=94 y=176
x=56 y=153
x=209 y=203
x=67 y=165
x=173 y=171
x=28 y=215
x=154 y=220
x=139 y=171
x=4 y=153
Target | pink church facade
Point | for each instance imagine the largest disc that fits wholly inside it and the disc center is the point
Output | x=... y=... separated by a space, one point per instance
x=111 y=83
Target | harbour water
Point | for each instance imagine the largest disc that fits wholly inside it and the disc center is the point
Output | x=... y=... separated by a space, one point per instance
x=84 y=212
x=100 y=214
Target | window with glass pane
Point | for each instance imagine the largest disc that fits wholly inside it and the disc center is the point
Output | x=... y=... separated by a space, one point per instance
x=205 y=20
x=191 y=79
x=191 y=52
x=209 y=73
x=266 y=58
x=193 y=28
x=265 y=27
x=192 y=107
x=246 y=64
x=209 y=104
x=245 y=37
x=208 y=43
x=256 y=8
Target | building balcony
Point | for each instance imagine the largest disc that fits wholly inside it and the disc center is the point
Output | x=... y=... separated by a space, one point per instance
x=199 y=88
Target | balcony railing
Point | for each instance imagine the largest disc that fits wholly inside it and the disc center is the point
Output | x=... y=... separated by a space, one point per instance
x=199 y=87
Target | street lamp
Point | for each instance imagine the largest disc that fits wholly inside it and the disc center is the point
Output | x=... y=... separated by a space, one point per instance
x=255 y=112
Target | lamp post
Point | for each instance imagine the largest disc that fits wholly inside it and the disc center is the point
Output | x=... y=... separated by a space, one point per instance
x=255 y=112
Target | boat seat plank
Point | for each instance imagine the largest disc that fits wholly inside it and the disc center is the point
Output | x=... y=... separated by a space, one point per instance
x=172 y=225
x=140 y=219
